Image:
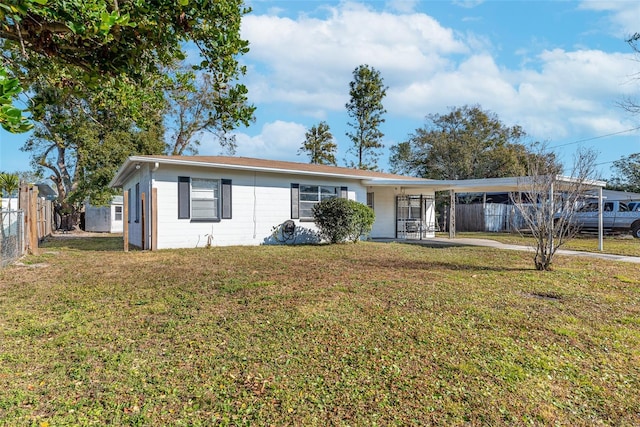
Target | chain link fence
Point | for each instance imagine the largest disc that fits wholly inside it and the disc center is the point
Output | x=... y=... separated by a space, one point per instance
x=11 y=236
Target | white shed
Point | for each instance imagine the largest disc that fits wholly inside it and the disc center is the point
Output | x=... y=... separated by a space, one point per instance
x=105 y=219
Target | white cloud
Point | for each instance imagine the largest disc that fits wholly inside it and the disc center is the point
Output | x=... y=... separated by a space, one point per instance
x=278 y=140
x=310 y=60
x=305 y=63
x=624 y=18
x=573 y=93
x=468 y=4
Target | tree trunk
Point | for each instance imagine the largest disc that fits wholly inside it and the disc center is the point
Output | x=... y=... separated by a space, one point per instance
x=69 y=217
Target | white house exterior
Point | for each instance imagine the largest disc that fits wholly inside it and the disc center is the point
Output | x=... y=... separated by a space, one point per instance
x=105 y=219
x=193 y=201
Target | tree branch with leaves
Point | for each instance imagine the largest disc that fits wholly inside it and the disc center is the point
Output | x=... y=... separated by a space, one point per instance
x=196 y=104
x=128 y=42
x=466 y=143
x=12 y=118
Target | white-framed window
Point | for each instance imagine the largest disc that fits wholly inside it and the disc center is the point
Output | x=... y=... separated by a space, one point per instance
x=305 y=196
x=311 y=195
x=370 y=200
x=205 y=198
x=118 y=213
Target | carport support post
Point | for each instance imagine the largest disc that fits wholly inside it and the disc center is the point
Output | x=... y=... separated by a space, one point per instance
x=600 y=224
x=125 y=217
x=452 y=214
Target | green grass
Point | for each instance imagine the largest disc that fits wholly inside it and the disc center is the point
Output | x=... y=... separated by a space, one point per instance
x=617 y=245
x=366 y=334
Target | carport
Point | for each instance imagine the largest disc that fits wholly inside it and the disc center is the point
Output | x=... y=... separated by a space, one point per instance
x=487 y=185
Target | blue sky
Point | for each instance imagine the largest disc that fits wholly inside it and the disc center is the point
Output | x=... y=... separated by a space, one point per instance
x=556 y=68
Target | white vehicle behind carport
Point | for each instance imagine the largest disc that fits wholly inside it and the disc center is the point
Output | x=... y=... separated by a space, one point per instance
x=616 y=216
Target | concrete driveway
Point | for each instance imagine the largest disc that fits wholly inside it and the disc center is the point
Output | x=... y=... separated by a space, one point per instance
x=463 y=241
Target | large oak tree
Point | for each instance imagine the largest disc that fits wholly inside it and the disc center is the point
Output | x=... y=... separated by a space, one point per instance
x=82 y=136
x=120 y=40
x=100 y=76
x=468 y=142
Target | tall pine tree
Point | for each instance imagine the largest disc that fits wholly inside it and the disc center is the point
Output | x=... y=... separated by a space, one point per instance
x=365 y=108
x=319 y=145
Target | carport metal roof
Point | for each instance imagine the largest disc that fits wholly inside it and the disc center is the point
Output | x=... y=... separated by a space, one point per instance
x=486 y=185
x=477 y=185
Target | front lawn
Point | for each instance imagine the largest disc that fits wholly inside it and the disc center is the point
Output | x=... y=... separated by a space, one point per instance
x=612 y=244
x=355 y=334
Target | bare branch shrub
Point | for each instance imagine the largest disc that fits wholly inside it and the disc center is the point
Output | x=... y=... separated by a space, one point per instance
x=548 y=201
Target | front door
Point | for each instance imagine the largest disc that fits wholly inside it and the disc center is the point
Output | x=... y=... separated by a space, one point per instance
x=415 y=217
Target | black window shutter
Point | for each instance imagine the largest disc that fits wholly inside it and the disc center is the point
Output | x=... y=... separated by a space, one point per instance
x=184 y=198
x=344 y=193
x=138 y=202
x=295 y=197
x=226 y=199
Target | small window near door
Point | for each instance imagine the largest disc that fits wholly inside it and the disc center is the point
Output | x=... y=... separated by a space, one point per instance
x=370 y=200
x=184 y=197
x=118 y=213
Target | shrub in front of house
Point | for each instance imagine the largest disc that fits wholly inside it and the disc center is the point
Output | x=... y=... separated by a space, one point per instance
x=363 y=218
x=340 y=220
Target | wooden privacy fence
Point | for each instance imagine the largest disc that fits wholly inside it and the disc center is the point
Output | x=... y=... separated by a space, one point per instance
x=488 y=217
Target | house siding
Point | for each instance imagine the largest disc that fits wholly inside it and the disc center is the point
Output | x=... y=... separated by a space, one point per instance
x=135 y=220
x=384 y=201
x=260 y=202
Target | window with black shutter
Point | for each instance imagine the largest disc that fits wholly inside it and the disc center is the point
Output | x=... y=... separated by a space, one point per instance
x=226 y=199
x=184 y=197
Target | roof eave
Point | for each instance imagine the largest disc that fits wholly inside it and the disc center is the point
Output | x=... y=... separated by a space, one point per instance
x=122 y=173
